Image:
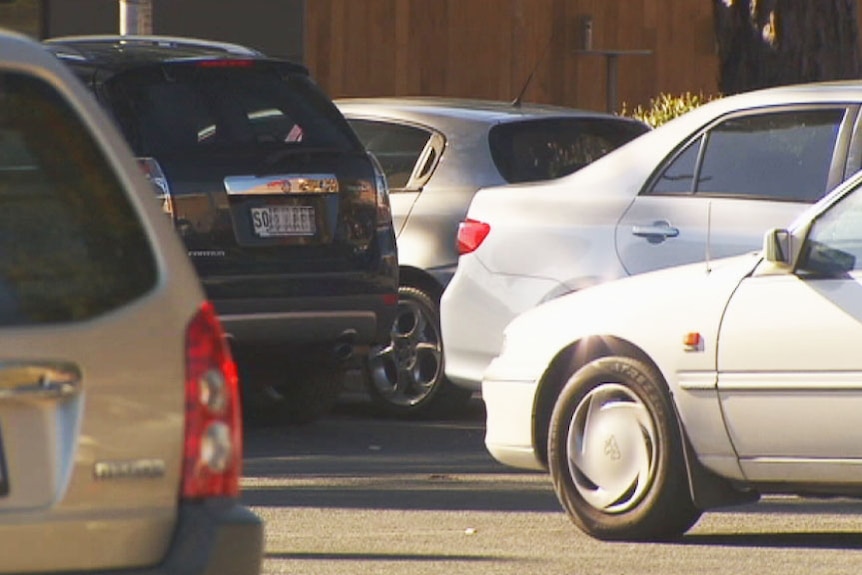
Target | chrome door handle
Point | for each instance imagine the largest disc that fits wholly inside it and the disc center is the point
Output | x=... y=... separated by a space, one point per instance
x=657 y=230
x=48 y=380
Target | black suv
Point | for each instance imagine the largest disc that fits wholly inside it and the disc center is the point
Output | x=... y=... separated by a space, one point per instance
x=285 y=215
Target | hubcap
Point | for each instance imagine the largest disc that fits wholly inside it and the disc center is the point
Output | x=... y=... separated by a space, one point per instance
x=406 y=370
x=612 y=448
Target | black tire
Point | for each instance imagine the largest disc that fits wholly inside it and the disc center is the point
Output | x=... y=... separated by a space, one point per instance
x=297 y=396
x=406 y=376
x=615 y=454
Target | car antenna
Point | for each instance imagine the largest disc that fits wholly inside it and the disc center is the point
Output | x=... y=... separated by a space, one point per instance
x=708 y=233
x=516 y=103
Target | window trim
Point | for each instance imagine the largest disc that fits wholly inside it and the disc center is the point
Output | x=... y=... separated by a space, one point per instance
x=840 y=156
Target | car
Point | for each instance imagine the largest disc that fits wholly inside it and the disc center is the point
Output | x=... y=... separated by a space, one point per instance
x=284 y=214
x=654 y=398
x=120 y=416
x=436 y=152
x=713 y=178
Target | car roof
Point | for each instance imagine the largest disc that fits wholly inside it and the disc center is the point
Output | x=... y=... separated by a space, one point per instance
x=434 y=109
x=116 y=53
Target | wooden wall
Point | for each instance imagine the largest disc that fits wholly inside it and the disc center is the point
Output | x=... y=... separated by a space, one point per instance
x=488 y=48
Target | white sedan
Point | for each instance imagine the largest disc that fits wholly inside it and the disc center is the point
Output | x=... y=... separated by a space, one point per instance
x=654 y=398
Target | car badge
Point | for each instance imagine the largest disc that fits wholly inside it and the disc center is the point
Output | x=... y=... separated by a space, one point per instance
x=282 y=185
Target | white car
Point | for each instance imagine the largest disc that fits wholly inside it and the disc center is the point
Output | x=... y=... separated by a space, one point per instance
x=656 y=397
x=725 y=171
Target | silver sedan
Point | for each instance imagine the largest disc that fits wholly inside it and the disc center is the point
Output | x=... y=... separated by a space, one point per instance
x=436 y=153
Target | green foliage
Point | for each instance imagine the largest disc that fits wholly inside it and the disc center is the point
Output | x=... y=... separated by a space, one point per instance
x=666 y=107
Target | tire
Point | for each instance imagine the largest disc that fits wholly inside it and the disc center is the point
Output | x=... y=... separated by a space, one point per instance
x=406 y=377
x=299 y=395
x=615 y=454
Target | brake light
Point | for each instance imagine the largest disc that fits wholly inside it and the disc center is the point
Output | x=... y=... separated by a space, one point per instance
x=213 y=434
x=471 y=234
x=228 y=63
x=384 y=209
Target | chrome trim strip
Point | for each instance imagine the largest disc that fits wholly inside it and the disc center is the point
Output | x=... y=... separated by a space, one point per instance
x=794 y=382
x=697 y=380
x=38 y=380
x=281 y=184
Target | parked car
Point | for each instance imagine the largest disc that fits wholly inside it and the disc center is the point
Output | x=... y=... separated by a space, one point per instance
x=436 y=152
x=285 y=215
x=120 y=425
x=656 y=397
x=703 y=185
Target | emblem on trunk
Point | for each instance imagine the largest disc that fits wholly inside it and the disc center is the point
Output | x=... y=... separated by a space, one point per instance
x=134 y=469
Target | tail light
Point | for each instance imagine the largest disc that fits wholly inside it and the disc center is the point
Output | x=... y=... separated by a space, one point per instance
x=471 y=234
x=213 y=436
x=384 y=209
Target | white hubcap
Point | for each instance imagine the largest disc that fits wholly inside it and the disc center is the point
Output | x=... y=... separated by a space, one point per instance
x=611 y=448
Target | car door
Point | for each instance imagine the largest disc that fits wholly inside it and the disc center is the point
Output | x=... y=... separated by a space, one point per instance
x=789 y=367
x=91 y=391
x=742 y=175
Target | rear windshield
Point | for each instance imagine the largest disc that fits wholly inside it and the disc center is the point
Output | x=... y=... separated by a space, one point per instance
x=535 y=150
x=181 y=108
x=71 y=244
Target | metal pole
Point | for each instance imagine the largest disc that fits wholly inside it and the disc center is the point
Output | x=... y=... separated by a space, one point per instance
x=136 y=17
x=612 y=81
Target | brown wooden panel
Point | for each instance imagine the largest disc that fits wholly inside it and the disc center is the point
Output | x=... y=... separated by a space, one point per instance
x=488 y=48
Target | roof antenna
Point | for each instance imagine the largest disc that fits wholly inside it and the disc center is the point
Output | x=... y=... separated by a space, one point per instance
x=708 y=233
x=516 y=103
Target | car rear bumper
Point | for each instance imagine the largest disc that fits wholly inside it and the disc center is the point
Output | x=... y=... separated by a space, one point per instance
x=354 y=320
x=475 y=309
x=211 y=538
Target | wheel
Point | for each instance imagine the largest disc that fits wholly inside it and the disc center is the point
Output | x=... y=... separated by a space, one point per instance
x=405 y=377
x=615 y=454
x=297 y=395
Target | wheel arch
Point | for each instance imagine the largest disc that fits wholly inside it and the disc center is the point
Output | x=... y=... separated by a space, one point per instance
x=418 y=278
x=567 y=361
x=708 y=490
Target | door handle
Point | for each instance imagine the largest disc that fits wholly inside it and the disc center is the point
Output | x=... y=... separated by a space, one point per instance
x=34 y=381
x=656 y=232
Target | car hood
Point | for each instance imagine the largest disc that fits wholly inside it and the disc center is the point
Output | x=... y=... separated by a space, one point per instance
x=652 y=311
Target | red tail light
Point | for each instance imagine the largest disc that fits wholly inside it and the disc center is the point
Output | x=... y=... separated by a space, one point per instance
x=226 y=63
x=213 y=441
x=471 y=234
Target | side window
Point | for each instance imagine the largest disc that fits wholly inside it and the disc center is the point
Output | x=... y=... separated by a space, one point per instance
x=834 y=244
x=72 y=246
x=678 y=176
x=397 y=147
x=776 y=156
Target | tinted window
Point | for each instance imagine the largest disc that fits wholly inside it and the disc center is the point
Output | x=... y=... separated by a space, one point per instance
x=834 y=244
x=779 y=156
x=537 y=150
x=678 y=177
x=397 y=147
x=71 y=244
x=187 y=108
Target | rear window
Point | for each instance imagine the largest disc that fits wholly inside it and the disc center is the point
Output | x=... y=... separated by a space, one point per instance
x=230 y=105
x=545 y=149
x=71 y=244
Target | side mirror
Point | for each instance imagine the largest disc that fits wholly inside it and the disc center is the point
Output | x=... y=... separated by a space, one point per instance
x=777 y=246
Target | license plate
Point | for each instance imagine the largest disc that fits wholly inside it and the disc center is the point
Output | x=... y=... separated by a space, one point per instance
x=278 y=221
